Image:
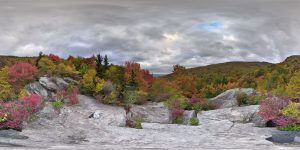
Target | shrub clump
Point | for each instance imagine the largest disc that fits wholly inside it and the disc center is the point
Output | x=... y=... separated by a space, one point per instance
x=242 y=99
x=58 y=104
x=176 y=112
x=12 y=114
x=283 y=113
x=194 y=121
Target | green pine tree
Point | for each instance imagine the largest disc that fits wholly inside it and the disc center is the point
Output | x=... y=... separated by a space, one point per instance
x=99 y=67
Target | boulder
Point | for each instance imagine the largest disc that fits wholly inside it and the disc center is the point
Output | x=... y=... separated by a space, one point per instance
x=11 y=134
x=46 y=87
x=151 y=112
x=283 y=136
x=49 y=84
x=61 y=83
x=48 y=112
x=228 y=98
x=297 y=138
x=235 y=114
x=187 y=115
x=37 y=88
x=97 y=114
x=258 y=121
x=69 y=80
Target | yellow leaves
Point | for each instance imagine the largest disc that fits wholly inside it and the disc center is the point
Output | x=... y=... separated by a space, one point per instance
x=46 y=65
x=66 y=70
x=4 y=118
x=99 y=85
x=88 y=81
x=292 y=110
x=6 y=91
x=293 y=87
x=22 y=93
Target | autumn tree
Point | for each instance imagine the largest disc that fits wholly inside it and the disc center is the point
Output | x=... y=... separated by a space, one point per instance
x=6 y=92
x=88 y=82
x=293 y=88
x=63 y=69
x=116 y=75
x=46 y=65
x=135 y=76
x=54 y=58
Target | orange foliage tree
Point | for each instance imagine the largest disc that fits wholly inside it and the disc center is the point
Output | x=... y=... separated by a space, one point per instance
x=142 y=77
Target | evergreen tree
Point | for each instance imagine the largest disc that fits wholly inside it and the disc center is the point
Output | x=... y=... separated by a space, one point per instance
x=38 y=59
x=99 y=67
x=106 y=63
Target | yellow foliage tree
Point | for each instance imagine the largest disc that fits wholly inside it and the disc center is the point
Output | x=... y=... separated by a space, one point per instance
x=46 y=65
x=6 y=92
x=88 y=82
x=99 y=85
x=293 y=87
x=66 y=69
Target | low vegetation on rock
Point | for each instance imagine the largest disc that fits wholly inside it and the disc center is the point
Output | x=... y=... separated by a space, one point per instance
x=128 y=84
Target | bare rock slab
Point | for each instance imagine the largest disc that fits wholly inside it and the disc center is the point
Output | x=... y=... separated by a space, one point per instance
x=151 y=113
x=228 y=98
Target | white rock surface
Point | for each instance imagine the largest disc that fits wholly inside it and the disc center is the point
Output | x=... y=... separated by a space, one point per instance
x=48 y=83
x=151 y=113
x=74 y=130
x=37 y=88
x=227 y=99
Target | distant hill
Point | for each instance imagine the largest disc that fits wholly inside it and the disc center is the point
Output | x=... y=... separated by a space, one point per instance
x=209 y=81
x=239 y=68
x=232 y=69
x=10 y=60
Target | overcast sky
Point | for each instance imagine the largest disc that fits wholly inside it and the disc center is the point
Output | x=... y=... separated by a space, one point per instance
x=155 y=33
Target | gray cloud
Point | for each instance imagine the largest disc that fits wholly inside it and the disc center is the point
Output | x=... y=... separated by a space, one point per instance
x=156 y=33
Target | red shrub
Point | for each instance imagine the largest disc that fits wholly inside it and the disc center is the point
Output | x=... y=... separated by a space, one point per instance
x=73 y=96
x=176 y=113
x=196 y=103
x=22 y=72
x=54 y=58
x=32 y=103
x=270 y=107
x=282 y=122
x=16 y=112
x=19 y=111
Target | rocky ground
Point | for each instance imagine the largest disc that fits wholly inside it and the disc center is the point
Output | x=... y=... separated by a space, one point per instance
x=73 y=128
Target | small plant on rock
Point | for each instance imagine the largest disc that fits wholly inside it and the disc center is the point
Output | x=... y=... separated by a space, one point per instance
x=242 y=99
x=194 y=121
x=58 y=104
x=110 y=99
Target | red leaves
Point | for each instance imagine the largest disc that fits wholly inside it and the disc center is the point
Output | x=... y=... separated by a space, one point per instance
x=176 y=111
x=73 y=96
x=32 y=102
x=270 y=107
x=143 y=77
x=22 y=72
x=19 y=111
x=54 y=58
